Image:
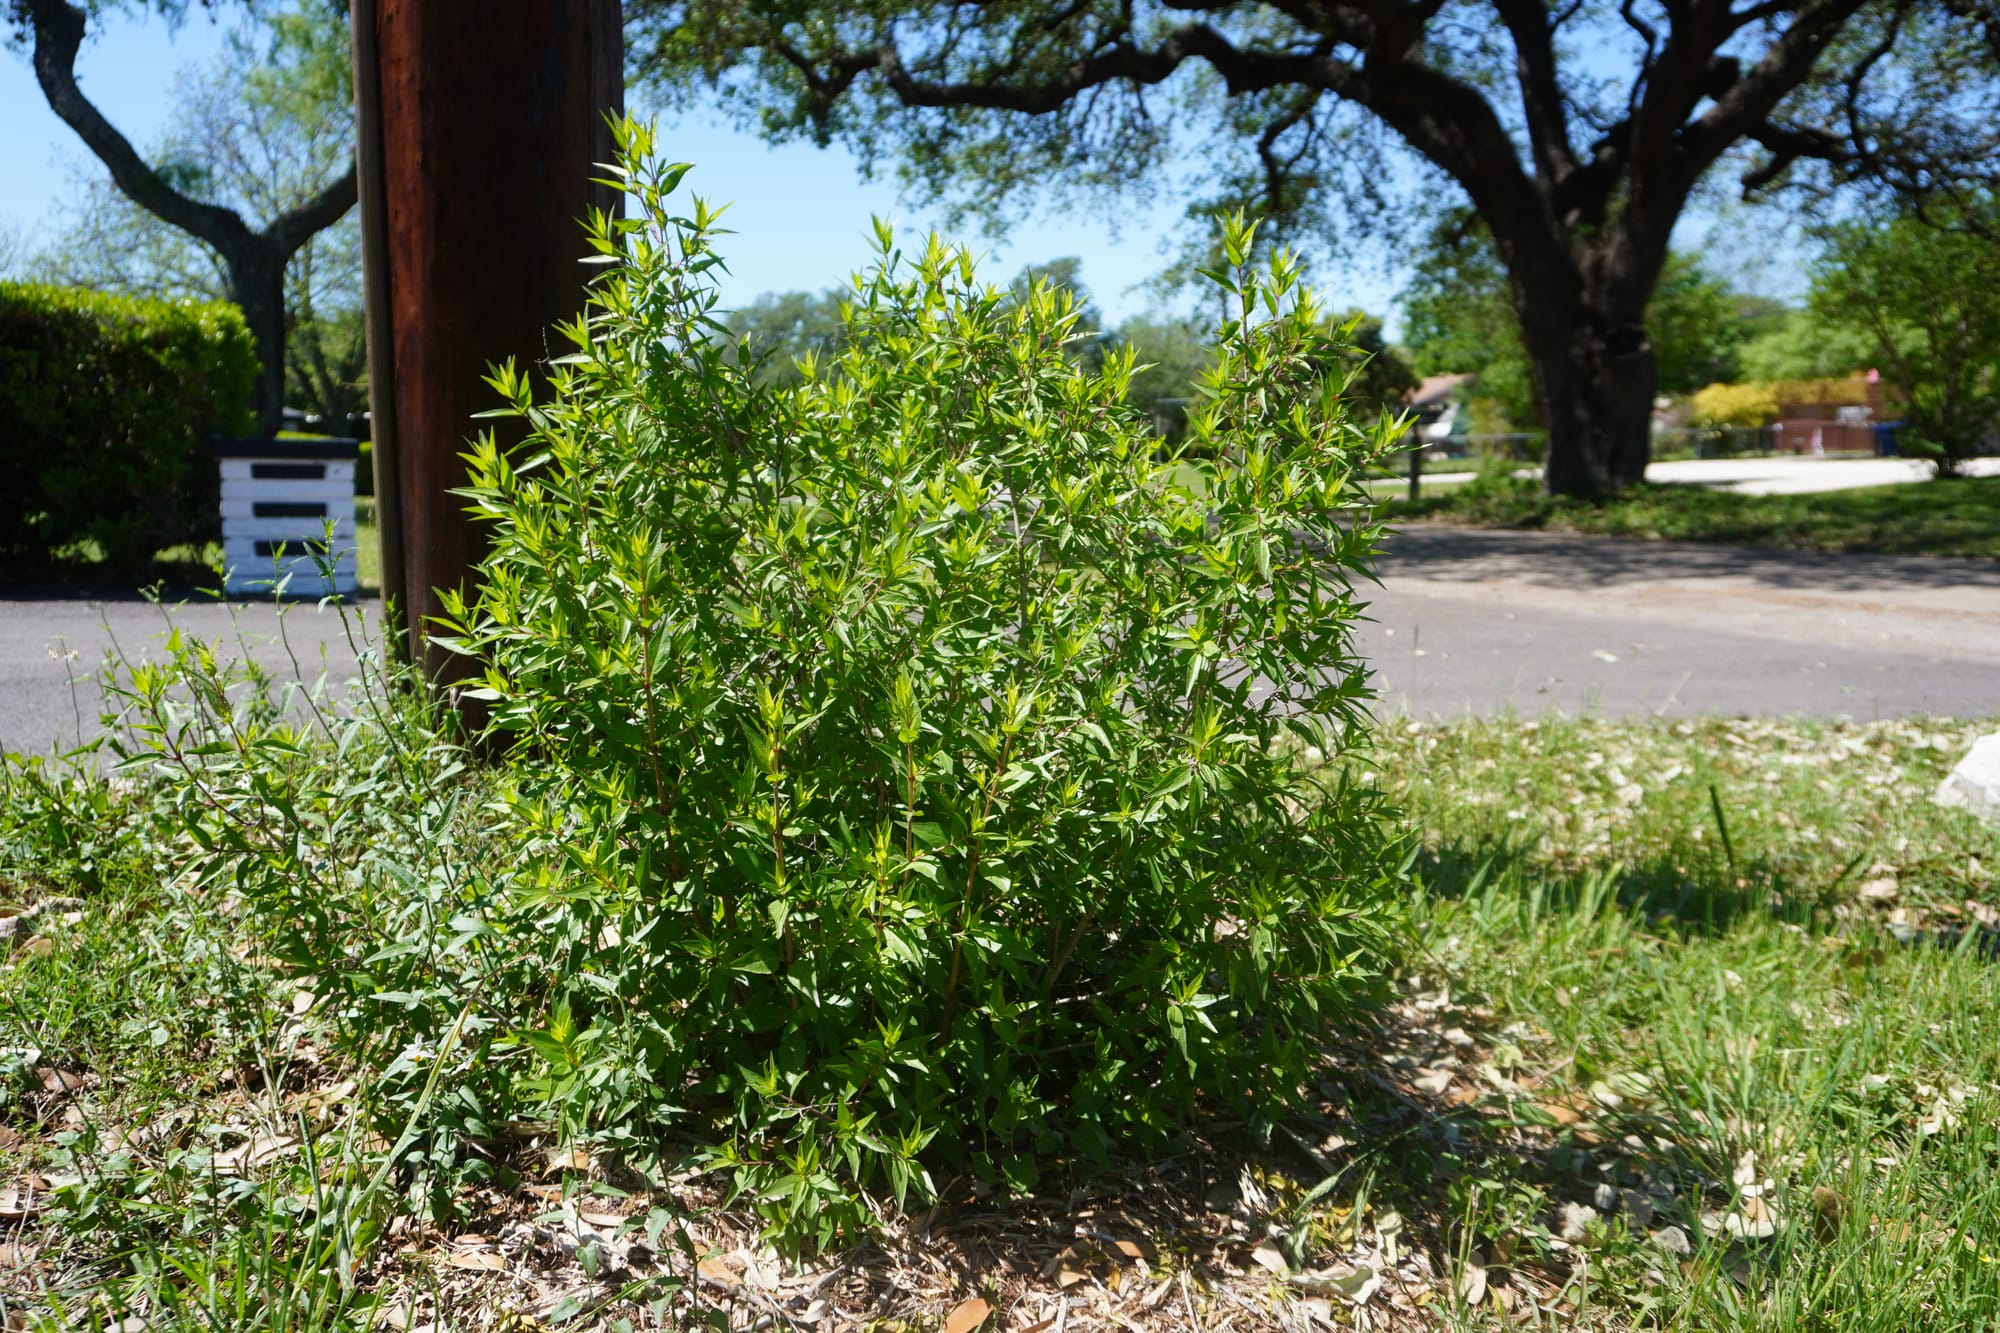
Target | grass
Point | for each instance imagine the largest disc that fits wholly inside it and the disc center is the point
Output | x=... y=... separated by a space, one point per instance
x=1712 y=980
x=368 y=544
x=1659 y=1060
x=1955 y=518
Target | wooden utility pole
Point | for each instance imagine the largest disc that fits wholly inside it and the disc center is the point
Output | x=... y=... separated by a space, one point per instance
x=481 y=126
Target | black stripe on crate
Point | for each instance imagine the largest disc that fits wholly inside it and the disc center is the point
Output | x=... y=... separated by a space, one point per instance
x=299 y=547
x=288 y=509
x=317 y=448
x=288 y=471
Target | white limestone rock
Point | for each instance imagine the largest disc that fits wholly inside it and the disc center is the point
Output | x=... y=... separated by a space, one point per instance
x=1975 y=784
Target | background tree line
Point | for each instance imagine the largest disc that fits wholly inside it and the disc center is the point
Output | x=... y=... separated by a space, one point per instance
x=244 y=195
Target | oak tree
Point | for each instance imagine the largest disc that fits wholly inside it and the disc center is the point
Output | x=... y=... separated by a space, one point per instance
x=1579 y=131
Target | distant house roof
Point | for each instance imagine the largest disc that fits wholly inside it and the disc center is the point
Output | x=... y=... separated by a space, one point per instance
x=1436 y=389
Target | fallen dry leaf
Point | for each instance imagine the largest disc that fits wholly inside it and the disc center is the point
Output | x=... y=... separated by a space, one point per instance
x=1357 y=1284
x=22 y=1199
x=1072 y=1265
x=717 y=1271
x=1472 y=1284
x=59 y=1080
x=1434 y=1081
x=257 y=1150
x=1388 y=1232
x=969 y=1314
x=560 y=1160
x=1757 y=1221
x=759 y=1271
x=1269 y=1256
x=1566 y=1110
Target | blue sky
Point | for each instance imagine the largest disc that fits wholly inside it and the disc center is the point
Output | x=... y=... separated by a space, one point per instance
x=801 y=214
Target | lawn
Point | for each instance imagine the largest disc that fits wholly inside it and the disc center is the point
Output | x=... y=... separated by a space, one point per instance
x=1697 y=1033
x=1958 y=518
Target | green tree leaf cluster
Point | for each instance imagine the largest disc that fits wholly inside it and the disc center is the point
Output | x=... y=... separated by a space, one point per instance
x=1798 y=345
x=914 y=777
x=1924 y=292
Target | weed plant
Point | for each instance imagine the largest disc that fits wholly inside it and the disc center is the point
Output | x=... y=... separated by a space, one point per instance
x=216 y=1169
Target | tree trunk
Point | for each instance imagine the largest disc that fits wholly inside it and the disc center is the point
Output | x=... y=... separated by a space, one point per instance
x=1595 y=376
x=257 y=286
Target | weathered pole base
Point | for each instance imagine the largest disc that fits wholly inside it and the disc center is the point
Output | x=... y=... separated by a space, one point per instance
x=489 y=124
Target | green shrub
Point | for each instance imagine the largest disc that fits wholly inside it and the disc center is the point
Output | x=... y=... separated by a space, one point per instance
x=909 y=764
x=105 y=400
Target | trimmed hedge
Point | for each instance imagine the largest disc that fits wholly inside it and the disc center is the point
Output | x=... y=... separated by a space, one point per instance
x=104 y=401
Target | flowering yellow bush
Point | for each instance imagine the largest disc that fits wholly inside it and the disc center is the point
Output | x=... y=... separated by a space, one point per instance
x=1724 y=405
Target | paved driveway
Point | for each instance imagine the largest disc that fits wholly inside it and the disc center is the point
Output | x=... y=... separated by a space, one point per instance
x=1790 y=475
x=1802 y=476
x=1465 y=621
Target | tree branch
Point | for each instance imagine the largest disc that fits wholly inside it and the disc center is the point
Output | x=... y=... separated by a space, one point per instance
x=1745 y=107
x=1444 y=119
x=59 y=28
x=294 y=227
x=1542 y=103
x=1787 y=145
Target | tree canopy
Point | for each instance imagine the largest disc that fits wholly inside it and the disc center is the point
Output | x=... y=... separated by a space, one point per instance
x=1579 y=133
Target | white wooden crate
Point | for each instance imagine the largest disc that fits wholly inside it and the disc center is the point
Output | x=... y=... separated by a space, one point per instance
x=278 y=499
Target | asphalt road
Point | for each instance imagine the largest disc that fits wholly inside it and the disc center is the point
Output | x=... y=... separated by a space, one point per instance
x=1465 y=621
x=52 y=651
x=1482 y=621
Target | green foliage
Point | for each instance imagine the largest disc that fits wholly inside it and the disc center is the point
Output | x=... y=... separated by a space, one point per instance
x=1379 y=377
x=1618 y=995
x=1697 y=327
x=1925 y=292
x=1460 y=318
x=1798 y=345
x=1737 y=406
x=778 y=330
x=261 y=129
x=106 y=400
x=220 y=825
x=1171 y=356
x=907 y=769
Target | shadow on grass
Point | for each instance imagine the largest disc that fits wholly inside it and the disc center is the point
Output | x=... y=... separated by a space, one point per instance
x=1686 y=889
